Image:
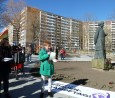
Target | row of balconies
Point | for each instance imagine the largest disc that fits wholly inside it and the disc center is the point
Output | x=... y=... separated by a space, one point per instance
x=52 y=28
x=60 y=21
x=47 y=25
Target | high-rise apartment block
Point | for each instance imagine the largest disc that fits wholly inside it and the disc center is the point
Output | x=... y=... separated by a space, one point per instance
x=89 y=29
x=112 y=30
x=38 y=25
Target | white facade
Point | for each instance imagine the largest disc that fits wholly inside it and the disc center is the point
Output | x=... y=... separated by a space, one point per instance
x=113 y=34
x=23 y=27
x=92 y=29
x=10 y=34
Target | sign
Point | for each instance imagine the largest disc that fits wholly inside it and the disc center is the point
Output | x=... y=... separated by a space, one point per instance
x=80 y=91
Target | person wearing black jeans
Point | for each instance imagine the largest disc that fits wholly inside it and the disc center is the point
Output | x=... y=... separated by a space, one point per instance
x=57 y=51
x=5 y=69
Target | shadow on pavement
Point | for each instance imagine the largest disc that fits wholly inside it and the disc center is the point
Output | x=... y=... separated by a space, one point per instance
x=35 y=72
x=80 y=82
x=69 y=87
x=28 y=86
x=25 y=91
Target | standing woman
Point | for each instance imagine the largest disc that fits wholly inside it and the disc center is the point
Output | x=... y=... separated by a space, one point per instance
x=46 y=67
x=57 y=51
x=5 y=68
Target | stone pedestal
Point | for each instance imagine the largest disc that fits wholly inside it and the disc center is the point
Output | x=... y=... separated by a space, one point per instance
x=98 y=63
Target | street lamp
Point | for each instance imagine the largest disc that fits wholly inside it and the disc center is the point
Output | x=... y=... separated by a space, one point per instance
x=75 y=46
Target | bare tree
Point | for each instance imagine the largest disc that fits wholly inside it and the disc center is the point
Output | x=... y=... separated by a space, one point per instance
x=112 y=16
x=35 y=27
x=88 y=18
x=68 y=39
x=13 y=14
x=108 y=41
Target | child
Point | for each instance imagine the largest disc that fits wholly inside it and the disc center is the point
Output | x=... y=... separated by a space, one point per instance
x=46 y=67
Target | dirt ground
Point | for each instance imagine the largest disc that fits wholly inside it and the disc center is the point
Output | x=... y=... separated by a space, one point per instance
x=81 y=73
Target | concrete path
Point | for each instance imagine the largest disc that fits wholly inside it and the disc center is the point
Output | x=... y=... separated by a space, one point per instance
x=29 y=87
x=78 y=58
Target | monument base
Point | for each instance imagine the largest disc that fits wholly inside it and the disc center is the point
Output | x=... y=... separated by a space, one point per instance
x=98 y=63
x=102 y=63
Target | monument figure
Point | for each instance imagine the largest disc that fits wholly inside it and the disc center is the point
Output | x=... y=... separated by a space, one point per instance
x=99 y=41
x=99 y=60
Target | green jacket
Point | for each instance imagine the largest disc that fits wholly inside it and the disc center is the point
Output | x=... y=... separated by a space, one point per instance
x=46 y=66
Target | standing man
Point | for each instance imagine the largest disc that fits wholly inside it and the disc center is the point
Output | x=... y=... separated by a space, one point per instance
x=5 y=68
x=57 y=51
x=99 y=41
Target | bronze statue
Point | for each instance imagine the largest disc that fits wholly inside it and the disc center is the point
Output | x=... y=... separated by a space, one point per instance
x=99 y=41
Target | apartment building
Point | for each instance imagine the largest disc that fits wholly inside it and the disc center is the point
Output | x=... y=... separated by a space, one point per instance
x=65 y=32
x=4 y=33
x=38 y=25
x=92 y=29
x=29 y=29
x=11 y=34
x=76 y=34
x=89 y=29
x=50 y=28
x=112 y=26
x=108 y=38
x=61 y=31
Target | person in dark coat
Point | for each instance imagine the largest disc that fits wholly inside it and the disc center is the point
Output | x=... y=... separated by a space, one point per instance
x=57 y=51
x=22 y=57
x=5 y=68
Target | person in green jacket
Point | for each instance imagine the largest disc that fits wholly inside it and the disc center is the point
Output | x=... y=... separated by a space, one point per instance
x=46 y=67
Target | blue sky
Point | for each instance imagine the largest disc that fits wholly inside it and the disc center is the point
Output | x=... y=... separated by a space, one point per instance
x=77 y=9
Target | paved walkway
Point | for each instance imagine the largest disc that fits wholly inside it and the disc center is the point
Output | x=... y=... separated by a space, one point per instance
x=28 y=86
x=78 y=58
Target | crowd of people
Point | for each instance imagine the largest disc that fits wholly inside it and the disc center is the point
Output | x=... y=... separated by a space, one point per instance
x=11 y=56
